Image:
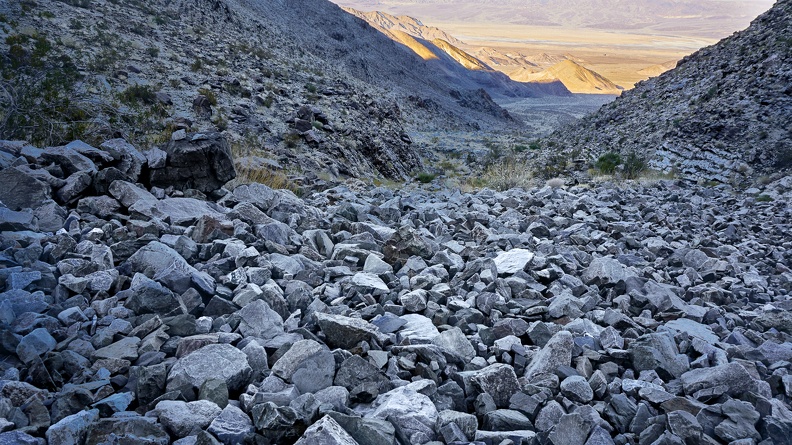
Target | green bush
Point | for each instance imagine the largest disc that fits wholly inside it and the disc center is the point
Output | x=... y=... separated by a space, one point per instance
x=210 y=95
x=764 y=198
x=608 y=162
x=634 y=165
x=138 y=94
x=425 y=177
x=39 y=101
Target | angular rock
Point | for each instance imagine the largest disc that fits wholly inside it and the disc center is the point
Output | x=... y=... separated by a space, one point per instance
x=556 y=353
x=309 y=365
x=183 y=419
x=345 y=332
x=513 y=261
x=201 y=161
x=217 y=361
x=326 y=432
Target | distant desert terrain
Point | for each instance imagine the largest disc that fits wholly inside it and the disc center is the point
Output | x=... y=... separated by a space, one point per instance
x=626 y=43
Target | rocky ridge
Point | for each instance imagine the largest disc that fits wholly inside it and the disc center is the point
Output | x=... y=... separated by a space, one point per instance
x=722 y=114
x=294 y=86
x=592 y=314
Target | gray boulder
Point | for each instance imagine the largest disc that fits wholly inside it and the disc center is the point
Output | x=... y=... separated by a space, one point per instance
x=308 y=364
x=183 y=419
x=326 y=432
x=201 y=161
x=167 y=267
x=19 y=190
x=556 y=353
x=232 y=426
x=215 y=361
x=72 y=430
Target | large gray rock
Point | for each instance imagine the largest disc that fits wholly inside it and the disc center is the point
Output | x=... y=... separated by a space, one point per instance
x=232 y=426
x=257 y=319
x=345 y=332
x=149 y=297
x=499 y=381
x=69 y=159
x=183 y=419
x=326 y=432
x=411 y=412
x=455 y=342
x=732 y=376
x=19 y=190
x=216 y=361
x=202 y=161
x=167 y=267
x=308 y=364
x=512 y=261
x=179 y=211
x=658 y=351
x=605 y=271
x=129 y=160
x=556 y=353
x=129 y=194
x=72 y=430
x=34 y=344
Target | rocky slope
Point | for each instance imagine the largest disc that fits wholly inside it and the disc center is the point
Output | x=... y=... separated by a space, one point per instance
x=456 y=66
x=185 y=313
x=404 y=23
x=722 y=114
x=576 y=78
x=299 y=85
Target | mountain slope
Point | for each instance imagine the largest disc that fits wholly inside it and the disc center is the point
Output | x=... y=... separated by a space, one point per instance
x=300 y=82
x=458 y=67
x=693 y=17
x=576 y=78
x=722 y=113
x=407 y=24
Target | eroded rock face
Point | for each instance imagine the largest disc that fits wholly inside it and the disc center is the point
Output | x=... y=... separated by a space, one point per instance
x=651 y=313
x=200 y=161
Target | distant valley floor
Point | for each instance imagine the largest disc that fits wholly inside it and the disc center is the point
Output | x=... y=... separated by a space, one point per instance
x=543 y=115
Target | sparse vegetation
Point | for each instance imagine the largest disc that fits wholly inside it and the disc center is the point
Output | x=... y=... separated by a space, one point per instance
x=425 y=177
x=39 y=99
x=608 y=162
x=507 y=173
x=634 y=165
x=138 y=95
x=209 y=94
x=764 y=198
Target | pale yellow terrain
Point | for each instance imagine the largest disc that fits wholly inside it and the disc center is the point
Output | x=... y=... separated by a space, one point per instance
x=618 y=57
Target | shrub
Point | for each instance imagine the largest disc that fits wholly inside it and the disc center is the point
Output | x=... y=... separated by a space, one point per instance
x=311 y=88
x=197 y=65
x=634 y=165
x=138 y=94
x=152 y=51
x=608 y=162
x=425 y=177
x=506 y=174
x=764 y=198
x=39 y=101
x=209 y=94
x=555 y=183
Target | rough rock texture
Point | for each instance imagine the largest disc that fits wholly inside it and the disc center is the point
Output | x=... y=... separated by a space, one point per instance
x=200 y=161
x=723 y=112
x=656 y=313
